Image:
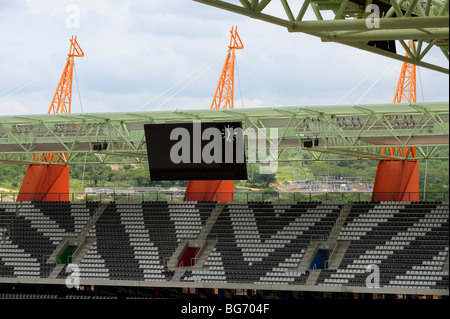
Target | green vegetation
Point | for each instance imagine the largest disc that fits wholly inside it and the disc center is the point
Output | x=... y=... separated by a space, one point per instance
x=127 y=175
x=11 y=176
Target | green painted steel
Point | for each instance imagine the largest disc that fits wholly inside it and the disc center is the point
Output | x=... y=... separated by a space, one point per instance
x=355 y=24
x=354 y=131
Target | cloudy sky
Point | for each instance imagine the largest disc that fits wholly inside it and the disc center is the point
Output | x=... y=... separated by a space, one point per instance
x=168 y=54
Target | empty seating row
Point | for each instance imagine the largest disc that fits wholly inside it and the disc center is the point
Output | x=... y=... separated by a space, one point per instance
x=413 y=236
x=31 y=231
x=134 y=241
x=255 y=243
x=265 y=241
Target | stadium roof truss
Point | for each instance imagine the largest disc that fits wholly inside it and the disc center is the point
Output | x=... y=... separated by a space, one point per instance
x=353 y=132
x=364 y=24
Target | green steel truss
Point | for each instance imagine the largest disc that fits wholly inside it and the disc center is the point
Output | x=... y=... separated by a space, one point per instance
x=352 y=23
x=353 y=132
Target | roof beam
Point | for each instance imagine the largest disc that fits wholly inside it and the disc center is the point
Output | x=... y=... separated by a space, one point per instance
x=384 y=35
x=412 y=21
x=407 y=23
x=124 y=132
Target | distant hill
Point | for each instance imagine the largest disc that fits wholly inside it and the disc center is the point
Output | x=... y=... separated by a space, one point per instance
x=125 y=175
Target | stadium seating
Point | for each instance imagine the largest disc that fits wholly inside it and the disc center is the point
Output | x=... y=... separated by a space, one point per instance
x=134 y=241
x=254 y=243
x=408 y=242
x=31 y=231
x=264 y=242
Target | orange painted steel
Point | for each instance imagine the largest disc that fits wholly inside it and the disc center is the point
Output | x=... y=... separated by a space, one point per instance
x=224 y=95
x=45 y=183
x=62 y=99
x=406 y=92
x=400 y=151
x=398 y=180
x=50 y=181
x=219 y=190
x=210 y=191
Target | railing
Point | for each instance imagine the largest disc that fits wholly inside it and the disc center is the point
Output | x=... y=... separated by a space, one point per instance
x=238 y=197
x=77 y=251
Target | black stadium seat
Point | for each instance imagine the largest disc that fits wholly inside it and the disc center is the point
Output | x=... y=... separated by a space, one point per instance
x=256 y=243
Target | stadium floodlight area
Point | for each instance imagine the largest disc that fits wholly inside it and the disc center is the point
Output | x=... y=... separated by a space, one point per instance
x=353 y=132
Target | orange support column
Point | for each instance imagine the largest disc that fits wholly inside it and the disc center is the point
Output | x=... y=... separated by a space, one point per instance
x=224 y=95
x=396 y=181
x=48 y=182
x=406 y=91
x=210 y=191
x=45 y=183
x=219 y=190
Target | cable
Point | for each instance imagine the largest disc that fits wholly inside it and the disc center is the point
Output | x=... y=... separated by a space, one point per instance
x=239 y=82
x=84 y=168
x=37 y=75
x=370 y=88
x=29 y=81
x=421 y=87
x=360 y=83
x=172 y=96
x=78 y=87
x=207 y=66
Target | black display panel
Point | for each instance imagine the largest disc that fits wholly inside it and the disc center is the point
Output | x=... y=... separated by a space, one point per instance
x=196 y=151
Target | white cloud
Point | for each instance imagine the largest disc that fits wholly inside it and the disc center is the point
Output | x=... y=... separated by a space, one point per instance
x=135 y=50
x=14 y=107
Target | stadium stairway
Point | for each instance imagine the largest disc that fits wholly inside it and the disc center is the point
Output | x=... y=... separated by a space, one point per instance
x=98 y=212
x=445 y=267
x=82 y=242
x=205 y=245
x=308 y=256
x=312 y=278
x=77 y=256
x=80 y=239
x=338 y=248
x=338 y=254
x=211 y=220
x=340 y=222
